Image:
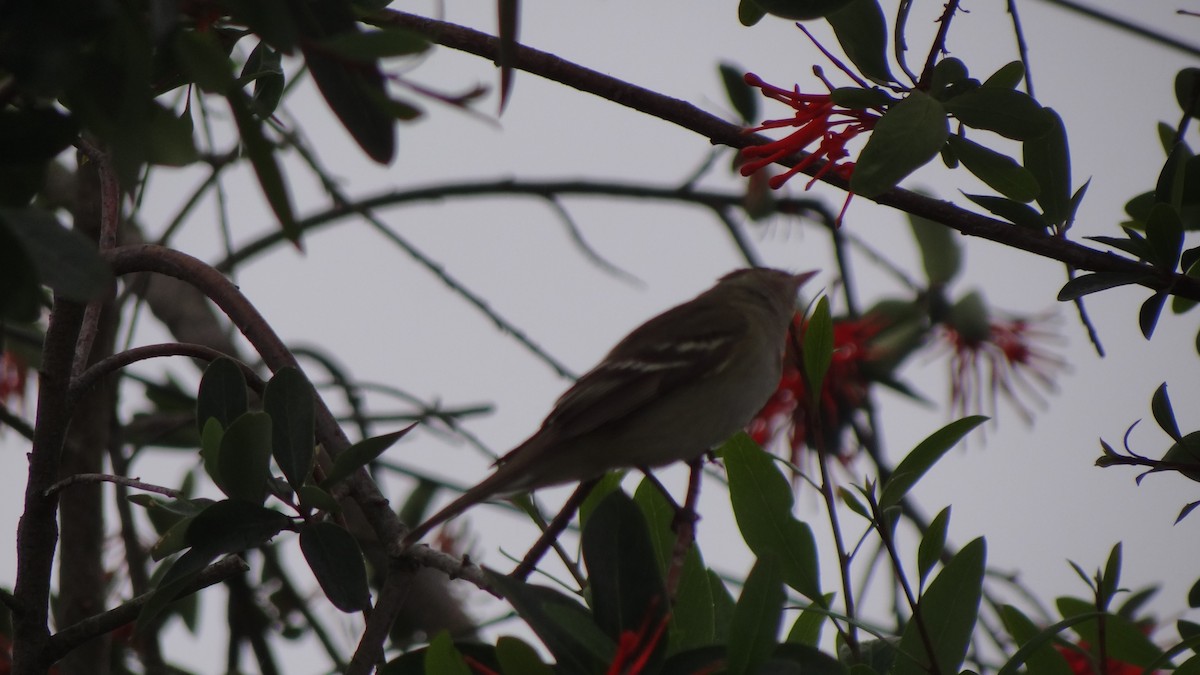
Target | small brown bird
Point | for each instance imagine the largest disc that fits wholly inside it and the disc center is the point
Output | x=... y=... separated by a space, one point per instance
x=674 y=388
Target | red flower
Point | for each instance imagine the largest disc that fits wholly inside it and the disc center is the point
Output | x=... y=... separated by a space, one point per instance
x=634 y=648
x=14 y=377
x=1081 y=663
x=999 y=361
x=843 y=392
x=817 y=120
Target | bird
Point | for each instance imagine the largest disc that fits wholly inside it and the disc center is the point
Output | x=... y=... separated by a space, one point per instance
x=674 y=388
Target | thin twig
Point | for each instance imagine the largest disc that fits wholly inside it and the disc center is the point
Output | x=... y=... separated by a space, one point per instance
x=1022 y=47
x=110 y=478
x=100 y=369
x=685 y=519
x=939 y=44
x=553 y=530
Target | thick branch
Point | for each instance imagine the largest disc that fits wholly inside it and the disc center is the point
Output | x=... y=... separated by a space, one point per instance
x=718 y=131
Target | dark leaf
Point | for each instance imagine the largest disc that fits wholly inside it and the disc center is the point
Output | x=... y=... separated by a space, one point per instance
x=742 y=96
x=1134 y=244
x=337 y=563
x=204 y=60
x=222 y=394
x=20 y=289
x=289 y=401
x=1164 y=235
x=378 y=44
x=1150 y=311
x=1099 y=281
x=1014 y=212
x=948 y=608
x=947 y=73
x=801 y=10
x=517 y=656
x=1001 y=173
x=818 y=344
x=862 y=32
x=1008 y=77
x=908 y=135
x=1185 y=453
x=1045 y=659
x=1160 y=405
x=922 y=458
x=933 y=544
x=265 y=69
x=361 y=454
x=749 y=13
x=509 y=13
x=272 y=20
x=1187 y=91
x=757 y=617
x=266 y=166
x=232 y=525
x=1008 y=112
x=860 y=99
x=941 y=254
x=64 y=260
x=169 y=139
x=245 y=457
x=562 y=624
x=181 y=572
x=1048 y=159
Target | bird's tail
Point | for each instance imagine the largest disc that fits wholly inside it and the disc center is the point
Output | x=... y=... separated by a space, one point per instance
x=481 y=492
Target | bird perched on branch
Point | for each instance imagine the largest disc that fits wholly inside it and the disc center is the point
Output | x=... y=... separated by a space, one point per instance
x=674 y=388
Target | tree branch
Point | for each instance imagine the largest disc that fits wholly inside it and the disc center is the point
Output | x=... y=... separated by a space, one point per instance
x=718 y=131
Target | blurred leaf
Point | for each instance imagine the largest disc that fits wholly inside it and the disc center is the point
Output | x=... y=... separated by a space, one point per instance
x=626 y=589
x=1048 y=159
x=941 y=254
x=314 y=497
x=337 y=563
x=862 y=32
x=1008 y=112
x=908 y=135
x=1110 y=580
x=20 y=288
x=948 y=611
x=266 y=166
x=31 y=138
x=64 y=260
x=933 y=544
x=801 y=10
x=1037 y=645
x=1001 y=173
x=222 y=394
x=796 y=658
x=1016 y=213
x=443 y=658
x=742 y=96
x=1099 y=281
x=264 y=68
x=205 y=61
x=818 y=344
x=564 y=626
x=922 y=458
x=169 y=139
x=289 y=400
x=1044 y=659
x=245 y=459
x=807 y=627
x=1187 y=91
x=1193 y=596
x=757 y=617
x=361 y=454
x=272 y=20
x=352 y=89
x=517 y=656
x=377 y=44
x=1160 y=405
x=1008 y=76
x=180 y=573
x=762 y=504
x=1124 y=640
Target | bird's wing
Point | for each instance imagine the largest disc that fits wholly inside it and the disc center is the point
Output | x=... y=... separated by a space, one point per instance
x=673 y=348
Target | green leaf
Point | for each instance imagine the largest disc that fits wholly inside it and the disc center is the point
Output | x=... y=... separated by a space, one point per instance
x=1044 y=659
x=266 y=166
x=1099 y=281
x=723 y=606
x=1047 y=157
x=517 y=656
x=941 y=254
x=443 y=658
x=742 y=96
x=860 y=99
x=1001 y=173
x=862 y=32
x=313 y=497
x=1149 y=312
x=800 y=10
x=210 y=450
x=377 y=44
x=948 y=610
x=818 y=345
x=1186 y=452
x=564 y=626
x=63 y=259
x=1008 y=112
x=289 y=400
x=905 y=138
x=169 y=139
x=222 y=394
x=361 y=454
x=181 y=573
x=245 y=457
x=762 y=504
x=757 y=617
x=807 y=627
x=232 y=526
x=1008 y=77
x=1160 y=405
x=264 y=68
x=1110 y=581
x=626 y=590
x=923 y=457
x=933 y=544
x=337 y=563
x=1164 y=234
x=1037 y=645
x=1014 y=212
x=1124 y=640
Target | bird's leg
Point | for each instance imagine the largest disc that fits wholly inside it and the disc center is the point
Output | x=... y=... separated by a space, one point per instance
x=685 y=526
x=555 y=528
